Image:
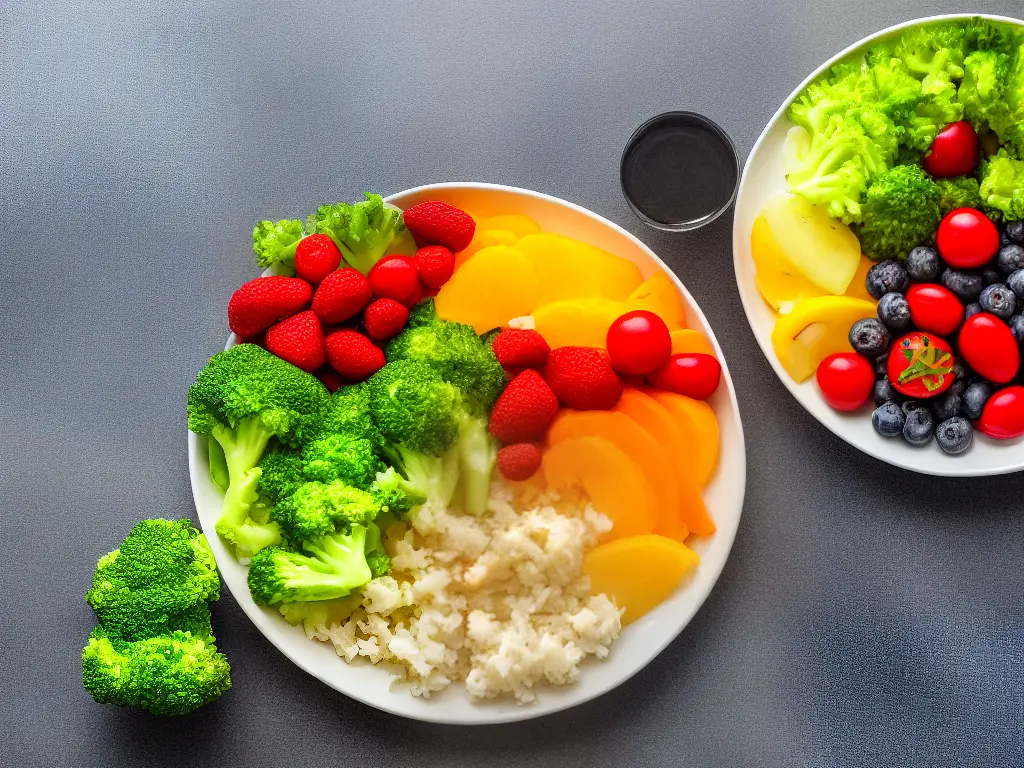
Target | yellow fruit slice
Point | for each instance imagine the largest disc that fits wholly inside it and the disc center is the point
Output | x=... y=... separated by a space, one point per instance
x=687 y=340
x=570 y=269
x=777 y=278
x=815 y=329
x=516 y=223
x=858 y=286
x=494 y=286
x=638 y=573
x=484 y=239
x=577 y=322
x=660 y=296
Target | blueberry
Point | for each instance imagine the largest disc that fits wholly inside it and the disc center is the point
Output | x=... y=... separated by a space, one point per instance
x=918 y=428
x=1017 y=328
x=999 y=300
x=923 y=264
x=959 y=371
x=950 y=403
x=869 y=337
x=913 y=405
x=885 y=392
x=1015 y=231
x=972 y=309
x=887 y=277
x=990 y=275
x=975 y=397
x=894 y=311
x=881 y=363
x=1011 y=258
x=888 y=420
x=966 y=285
x=1004 y=239
x=1015 y=282
x=954 y=435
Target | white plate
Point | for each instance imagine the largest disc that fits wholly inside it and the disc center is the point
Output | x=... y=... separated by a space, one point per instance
x=763 y=177
x=641 y=641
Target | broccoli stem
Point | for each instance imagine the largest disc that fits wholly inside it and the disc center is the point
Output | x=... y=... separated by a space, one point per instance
x=243 y=446
x=478 y=452
x=435 y=476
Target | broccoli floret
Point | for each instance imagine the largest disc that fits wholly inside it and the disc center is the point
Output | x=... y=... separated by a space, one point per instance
x=423 y=313
x=363 y=232
x=171 y=674
x=280 y=474
x=395 y=494
x=961 y=192
x=349 y=414
x=901 y=212
x=316 y=615
x=934 y=53
x=316 y=509
x=329 y=567
x=274 y=242
x=159 y=579
x=338 y=457
x=243 y=398
x=1002 y=185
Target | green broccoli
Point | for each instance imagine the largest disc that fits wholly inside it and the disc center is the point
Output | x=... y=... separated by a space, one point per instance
x=934 y=53
x=395 y=494
x=274 y=242
x=423 y=313
x=363 y=232
x=901 y=212
x=349 y=414
x=316 y=509
x=320 y=613
x=171 y=674
x=243 y=398
x=339 y=457
x=280 y=473
x=961 y=192
x=160 y=578
x=1002 y=185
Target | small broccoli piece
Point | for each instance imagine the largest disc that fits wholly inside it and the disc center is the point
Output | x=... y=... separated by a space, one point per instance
x=317 y=615
x=243 y=398
x=395 y=494
x=934 y=53
x=274 y=242
x=1002 y=185
x=349 y=414
x=339 y=457
x=329 y=567
x=423 y=313
x=901 y=212
x=316 y=509
x=171 y=674
x=961 y=192
x=363 y=232
x=986 y=75
x=159 y=579
x=280 y=473
x=376 y=557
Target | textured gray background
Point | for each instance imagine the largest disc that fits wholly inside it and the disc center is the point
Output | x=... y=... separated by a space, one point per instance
x=867 y=616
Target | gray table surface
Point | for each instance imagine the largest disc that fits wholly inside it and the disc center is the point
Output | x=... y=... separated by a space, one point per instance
x=866 y=617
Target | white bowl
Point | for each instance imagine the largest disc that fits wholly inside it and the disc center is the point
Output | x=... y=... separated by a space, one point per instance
x=641 y=641
x=763 y=177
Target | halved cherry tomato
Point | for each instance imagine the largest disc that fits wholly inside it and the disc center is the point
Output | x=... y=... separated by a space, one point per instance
x=920 y=365
x=691 y=373
x=934 y=308
x=967 y=239
x=954 y=151
x=987 y=345
x=1003 y=416
x=638 y=342
x=846 y=380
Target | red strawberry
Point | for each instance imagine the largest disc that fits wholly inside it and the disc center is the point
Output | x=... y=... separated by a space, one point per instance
x=298 y=340
x=384 y=318
x=435 y=265
x=353 y=355
x=260 y=303
x=316 y=256
x=583 y=378
x=341 y=295
x=395 y=277
x=520 y=349
x=435 y=223
x=524 y=410
x=519 y=461
x=329 y=379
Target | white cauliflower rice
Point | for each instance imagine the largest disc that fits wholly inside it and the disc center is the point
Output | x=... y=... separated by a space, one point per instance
x=497 y=602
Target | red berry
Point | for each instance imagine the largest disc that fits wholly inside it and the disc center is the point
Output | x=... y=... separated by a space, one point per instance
x=316 y=256
x=986 y=344
x=1003 y=415
x=384 y=318
x=519 y=461
x=954 y=152
x=353 y=355
x=967 y=239
x=341 y=295
x=920 y=365
x=934 y=308
x=435 y=265
x=692 y=374
x=260 y=303
x=329 y=379
x=299 y=340
x=524 y=410
x=638 y=342
x=395 y=277
x=583 y=378
x=846 y=380
x=516 y=349
x=435 y=223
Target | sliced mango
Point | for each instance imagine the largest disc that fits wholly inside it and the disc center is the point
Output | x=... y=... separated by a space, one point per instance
x=696 y=422
x=659 y=295
x=814 y=329
x=484 y=239
x=514 y=223
x=577 y=322
x=778 y=280
x=858 y=286
x=494 y=286
x=638 y=573
x=687 y=340
x=615 y=483
x=571 y=269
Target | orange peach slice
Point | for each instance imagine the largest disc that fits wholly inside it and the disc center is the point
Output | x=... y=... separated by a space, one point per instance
x=699 y=427
x=484 y=239
x=571 y=269
x=494 y=286
x=687 y=340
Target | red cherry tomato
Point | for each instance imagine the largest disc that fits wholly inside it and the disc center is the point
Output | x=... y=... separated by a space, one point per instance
x=935 y=309
x=691 y=374
x=986 y=343
x=638 y=342
x=967 y=239
x=846 y=380
x=920 y=365
x=1003 y=416
x=954 y=151
x=395 y=277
